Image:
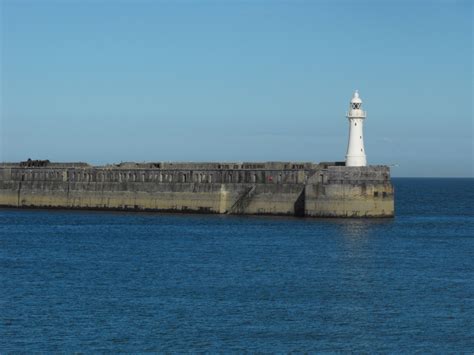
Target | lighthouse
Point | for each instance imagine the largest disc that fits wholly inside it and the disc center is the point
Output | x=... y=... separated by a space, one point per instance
x=355 y=149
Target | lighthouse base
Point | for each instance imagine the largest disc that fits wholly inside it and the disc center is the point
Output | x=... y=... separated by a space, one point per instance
x=356 y=160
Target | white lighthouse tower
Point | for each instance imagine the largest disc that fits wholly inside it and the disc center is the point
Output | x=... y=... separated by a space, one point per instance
x=355 y=149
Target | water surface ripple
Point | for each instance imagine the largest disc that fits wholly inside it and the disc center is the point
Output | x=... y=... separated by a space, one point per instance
x=98 y=281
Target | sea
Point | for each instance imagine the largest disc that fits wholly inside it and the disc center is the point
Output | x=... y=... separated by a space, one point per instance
x=78 y=281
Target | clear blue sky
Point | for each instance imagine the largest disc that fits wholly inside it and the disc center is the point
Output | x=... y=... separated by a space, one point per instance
x=110 y=81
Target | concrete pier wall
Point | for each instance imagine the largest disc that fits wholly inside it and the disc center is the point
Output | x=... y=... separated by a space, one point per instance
x=340 y=191
x=303 y=189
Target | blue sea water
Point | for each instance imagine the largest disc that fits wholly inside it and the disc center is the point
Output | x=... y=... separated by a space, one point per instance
x=97 y=281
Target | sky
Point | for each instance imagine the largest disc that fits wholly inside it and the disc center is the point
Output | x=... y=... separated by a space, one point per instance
x=108 y=81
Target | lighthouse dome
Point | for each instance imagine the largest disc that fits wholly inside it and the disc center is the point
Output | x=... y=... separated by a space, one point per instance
x=355 y=98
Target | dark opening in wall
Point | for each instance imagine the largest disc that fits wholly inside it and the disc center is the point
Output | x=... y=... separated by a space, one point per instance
x=376 y=193
x=299 y=205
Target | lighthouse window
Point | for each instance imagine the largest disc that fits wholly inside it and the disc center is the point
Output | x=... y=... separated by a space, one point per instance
x=355 y=123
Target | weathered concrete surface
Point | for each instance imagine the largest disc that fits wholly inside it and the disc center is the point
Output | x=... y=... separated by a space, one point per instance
x=277 y=188
x=340 y=191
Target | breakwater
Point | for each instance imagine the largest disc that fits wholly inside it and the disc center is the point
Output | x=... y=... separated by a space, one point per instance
x=271 y=188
